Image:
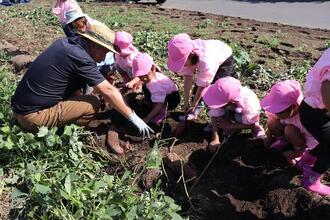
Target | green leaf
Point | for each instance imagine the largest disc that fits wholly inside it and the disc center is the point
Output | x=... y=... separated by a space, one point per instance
x=16 y=193
x=113 y=210
x=5 y=129
x=132 y=213
x=67 y=131
x=50 y=140
x=37 y=177
x=154 y=159
x=99 y=184
x=9 y=143
x=67 y=184
x=43 y=131
x=43 y=189
x=12 y=180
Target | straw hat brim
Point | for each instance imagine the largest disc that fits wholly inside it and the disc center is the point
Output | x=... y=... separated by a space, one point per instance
x=92 y=38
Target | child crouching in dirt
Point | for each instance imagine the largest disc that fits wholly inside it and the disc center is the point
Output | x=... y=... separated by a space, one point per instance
x=315 y=116
x=283 y=121
x=233 y=107
x=123 y=44
x=160 y=92
x=210 y=59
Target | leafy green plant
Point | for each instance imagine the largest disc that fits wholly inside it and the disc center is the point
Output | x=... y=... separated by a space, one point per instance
x=243 y=64
x=152 y=42
x=205 y=23
x=270 y=41
x=327 y=44
x=37 y=15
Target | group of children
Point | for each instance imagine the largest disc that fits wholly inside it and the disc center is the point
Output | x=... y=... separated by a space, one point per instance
x=297 y=126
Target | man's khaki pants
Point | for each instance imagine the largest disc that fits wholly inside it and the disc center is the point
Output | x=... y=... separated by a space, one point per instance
x=79 y=110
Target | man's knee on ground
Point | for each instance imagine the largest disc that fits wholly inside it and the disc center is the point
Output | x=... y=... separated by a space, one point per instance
x=94 y=104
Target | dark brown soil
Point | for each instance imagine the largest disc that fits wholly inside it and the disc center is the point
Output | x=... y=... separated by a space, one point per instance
x=244 y=181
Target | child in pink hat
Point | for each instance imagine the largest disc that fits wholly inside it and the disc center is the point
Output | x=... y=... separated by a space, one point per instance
x=315 y=116
x=233 y=107
x=60 y=8
x=123 y=60
x=211 y=59
x=283 y=121
x=159 y=90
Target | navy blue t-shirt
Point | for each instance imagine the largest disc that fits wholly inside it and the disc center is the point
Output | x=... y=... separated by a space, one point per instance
x=63 y=68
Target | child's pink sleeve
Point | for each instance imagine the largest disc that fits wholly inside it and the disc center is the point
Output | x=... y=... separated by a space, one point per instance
x=250 y=105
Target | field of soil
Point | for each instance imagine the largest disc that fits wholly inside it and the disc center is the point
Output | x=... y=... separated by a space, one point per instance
x=245 y=180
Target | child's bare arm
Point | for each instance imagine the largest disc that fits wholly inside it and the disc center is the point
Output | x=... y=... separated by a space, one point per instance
x=131 y=84
x=187 y=87
x=154 y=112
x=197 y=96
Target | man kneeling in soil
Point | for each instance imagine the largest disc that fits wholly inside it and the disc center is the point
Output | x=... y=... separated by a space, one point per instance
x=48 y=94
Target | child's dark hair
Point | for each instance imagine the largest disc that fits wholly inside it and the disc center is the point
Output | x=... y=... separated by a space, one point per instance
x=116 y=48
x=194 y=58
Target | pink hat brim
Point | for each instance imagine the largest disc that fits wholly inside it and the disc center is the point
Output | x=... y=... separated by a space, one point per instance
x=267 y=103
x=176 y=65
x=212 y=98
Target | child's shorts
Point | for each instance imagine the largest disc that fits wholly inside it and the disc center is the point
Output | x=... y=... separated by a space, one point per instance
x=172 y=100
x=225 y=69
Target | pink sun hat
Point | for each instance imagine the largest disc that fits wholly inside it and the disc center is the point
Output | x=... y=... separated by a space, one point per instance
x=223 y=91
x=179 y=48
x=281 y=96
x=142 y=64
x=124 y=41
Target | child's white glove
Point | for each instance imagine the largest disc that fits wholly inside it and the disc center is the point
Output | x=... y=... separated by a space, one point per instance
x=140 y=124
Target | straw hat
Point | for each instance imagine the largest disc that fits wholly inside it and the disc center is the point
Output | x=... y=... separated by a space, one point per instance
x=100 y=34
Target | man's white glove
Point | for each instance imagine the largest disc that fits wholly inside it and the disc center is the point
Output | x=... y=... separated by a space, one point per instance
x=141 y=125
